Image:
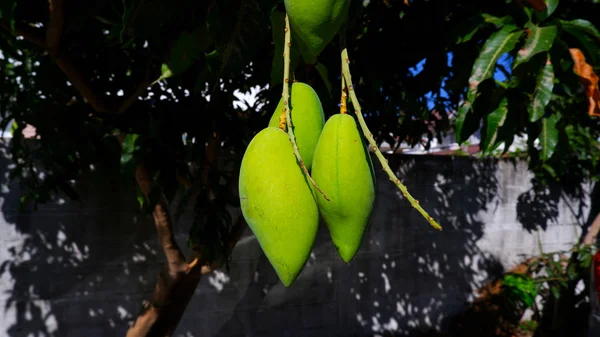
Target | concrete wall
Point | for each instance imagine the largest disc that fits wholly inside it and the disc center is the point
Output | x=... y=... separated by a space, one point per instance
x=83 y=269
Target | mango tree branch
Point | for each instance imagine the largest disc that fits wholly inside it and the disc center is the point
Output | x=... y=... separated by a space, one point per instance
x=150 y=319
x=179 y=278
x=164 y=226
x=369 y=136
x=52 y=43
x=55 y=28
x=593 y=230
x=29 y=33
x=286 y=102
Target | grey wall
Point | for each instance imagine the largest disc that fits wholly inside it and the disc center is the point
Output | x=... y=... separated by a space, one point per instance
x=83 y=269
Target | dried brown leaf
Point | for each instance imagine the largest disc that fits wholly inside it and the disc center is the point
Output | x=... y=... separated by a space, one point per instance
x=589 y=80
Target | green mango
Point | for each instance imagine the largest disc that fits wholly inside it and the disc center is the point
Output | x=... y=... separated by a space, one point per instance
x=343 y=169
x=307 y=119
x=278 y=203
x=315 y=23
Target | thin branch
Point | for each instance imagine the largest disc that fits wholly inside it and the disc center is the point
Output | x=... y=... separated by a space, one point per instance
x=286 y=101
x=164 y=225
x=52 y=43
x=31 y=34
x=358 y=111
x=593 y=230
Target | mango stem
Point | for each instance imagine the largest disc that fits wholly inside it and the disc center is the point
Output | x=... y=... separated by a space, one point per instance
x=286 y=100
x=384 y=163
x=344 y=99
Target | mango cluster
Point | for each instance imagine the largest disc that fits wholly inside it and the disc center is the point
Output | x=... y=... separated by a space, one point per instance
x=281 y=206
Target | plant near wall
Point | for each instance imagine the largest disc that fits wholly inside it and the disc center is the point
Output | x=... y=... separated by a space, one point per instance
x=546 y=279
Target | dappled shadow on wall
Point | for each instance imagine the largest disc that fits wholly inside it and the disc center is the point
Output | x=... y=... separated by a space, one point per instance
x=406 y=279
x=409 y=277
x=538 y=207
x=73 y=269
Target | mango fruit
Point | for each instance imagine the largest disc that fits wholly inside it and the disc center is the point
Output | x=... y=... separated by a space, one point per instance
x=308 y=119
x=315 y=23
x=343 y=169
x=277 y=202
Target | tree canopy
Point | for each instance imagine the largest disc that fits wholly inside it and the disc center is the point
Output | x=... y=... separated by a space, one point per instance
x=165 y=77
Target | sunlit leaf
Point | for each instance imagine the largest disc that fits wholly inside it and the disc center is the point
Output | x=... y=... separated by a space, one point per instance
x=461 y=117
x=520 y=287
x=540 y=40
x=165 y=73
x=494 y=121
x=582 y=25
x=498 y=22
x=542 y=93
x=549 y=136
x=496 y=45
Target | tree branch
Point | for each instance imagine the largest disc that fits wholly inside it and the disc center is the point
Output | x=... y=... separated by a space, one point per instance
x=55 y=29
x=593 y=230
x=52 y=44
x=178 y=279
x=29 y=33
x=174 y=270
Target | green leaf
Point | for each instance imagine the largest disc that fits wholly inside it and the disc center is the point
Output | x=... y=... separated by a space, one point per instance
x=550 y=170
x=520 y=287
x=128 y=162
x=461 y=117
x=187 y=49
x=464 y=32
x=549 y=136
x=141 y=199
x=547 y=12
x=127 y=12
x=498 y=22
x=496 y=45
x=129 y=143
x=494 y=121
x=543 y=92
x=14 y=128
x=324 y=75
x=165 y=73
x=581 y=25
x=540 y=40
x=7 y=12
x=555 y=292
x=588 y=42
